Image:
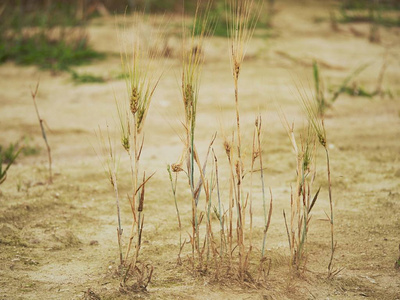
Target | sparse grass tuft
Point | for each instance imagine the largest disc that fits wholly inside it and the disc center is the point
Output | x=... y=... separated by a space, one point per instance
x=321 y=98
x=86 y=78
x=325 y=100
x=47 y=53
x=7 y=157
x=301 y=199
x=7 y=154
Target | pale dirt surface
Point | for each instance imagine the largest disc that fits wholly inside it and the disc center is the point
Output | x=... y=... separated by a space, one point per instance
x=47 y=231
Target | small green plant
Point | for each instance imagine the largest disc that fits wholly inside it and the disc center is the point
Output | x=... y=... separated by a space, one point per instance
x=7 y=153
x=86 y=78
x=301 y=200
x=323 y=102
x=28 y=150
x=357 y=90
x=7 y=158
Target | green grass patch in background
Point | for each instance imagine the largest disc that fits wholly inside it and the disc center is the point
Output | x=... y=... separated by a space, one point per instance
x=86 y=78
x=220 y=23
x=385 y=12
x=38 y=49
x=48 y=36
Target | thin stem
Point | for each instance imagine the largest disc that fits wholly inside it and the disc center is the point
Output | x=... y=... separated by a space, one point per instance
x=330 y=265
x=173 y=187
x=134 y=169
x=219 y=206
x=119 y=230
x=255 y=152
x=232 y=196
x=196 y=237
x=237 y=116
x=110 y=167
x=239 y=170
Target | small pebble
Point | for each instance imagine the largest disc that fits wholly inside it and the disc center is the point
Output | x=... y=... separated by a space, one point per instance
x=93 y=243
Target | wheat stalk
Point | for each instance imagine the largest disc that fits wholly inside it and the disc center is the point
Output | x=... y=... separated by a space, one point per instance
x=242 y=16
x=318 y=125
x=192 y=62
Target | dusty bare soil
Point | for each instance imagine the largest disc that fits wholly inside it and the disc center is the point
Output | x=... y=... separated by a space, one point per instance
x=58 y=241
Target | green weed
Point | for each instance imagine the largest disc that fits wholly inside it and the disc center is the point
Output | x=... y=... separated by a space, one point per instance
x=323 y=100
x=50 y=54
x=364 y=4
x=86 y=78
x=7 y=154
x=7 y=157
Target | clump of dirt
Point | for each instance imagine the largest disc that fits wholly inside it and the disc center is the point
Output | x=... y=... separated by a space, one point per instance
x=64 y=239
x=9 y=235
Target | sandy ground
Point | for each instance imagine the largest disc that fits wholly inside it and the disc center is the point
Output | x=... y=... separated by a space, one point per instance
x=58 y=241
